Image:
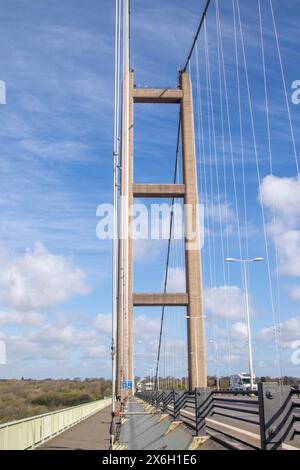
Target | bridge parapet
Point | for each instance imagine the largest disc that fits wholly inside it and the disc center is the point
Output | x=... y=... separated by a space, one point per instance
x=30 y=432
x=265 y=420
x=277 y=415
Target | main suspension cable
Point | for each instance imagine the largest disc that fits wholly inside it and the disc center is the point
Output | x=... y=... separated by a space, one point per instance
x=196 y=36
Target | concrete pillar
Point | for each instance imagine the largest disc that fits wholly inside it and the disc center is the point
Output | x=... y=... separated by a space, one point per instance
x=130 y=242
x=195 y=309
x=124 y=357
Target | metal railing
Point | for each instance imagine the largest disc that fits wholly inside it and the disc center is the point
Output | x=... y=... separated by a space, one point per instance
x=29 y=432
x=260 y=420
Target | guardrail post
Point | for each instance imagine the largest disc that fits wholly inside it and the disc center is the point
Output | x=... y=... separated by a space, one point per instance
x=179 y=397
x=159 y=399
x=275 y=414
x=165 y=401
x=156 y=403
x=153 y=398
x=203 y=402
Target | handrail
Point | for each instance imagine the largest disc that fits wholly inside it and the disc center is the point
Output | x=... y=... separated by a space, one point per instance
x=30 y=418
x=29 y=432
x=231 y=392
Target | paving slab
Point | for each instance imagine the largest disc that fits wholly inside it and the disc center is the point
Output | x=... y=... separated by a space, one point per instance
x=90 y=434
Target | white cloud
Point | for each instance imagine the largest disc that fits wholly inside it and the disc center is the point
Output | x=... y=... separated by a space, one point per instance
x=239 y=330
x=21 y=349
x=24 y=318
x=57 y=343
x=225 y=301
x=146 y=328
x=103 y=323
x=97 y=352
x=295 y=292
x=281 y=196
x=67 y=150
x=232 y=346
x=289 y=331
x=176 y=280
x=66 y=334
x=148 y=250
x=38 y=279
x=288 y=246
x=220 y=212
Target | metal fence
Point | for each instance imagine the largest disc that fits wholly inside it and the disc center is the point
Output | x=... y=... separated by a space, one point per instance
x=30 y=432
x=260 y=420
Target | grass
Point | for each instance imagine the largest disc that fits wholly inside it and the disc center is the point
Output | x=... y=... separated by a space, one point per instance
x=24 y=398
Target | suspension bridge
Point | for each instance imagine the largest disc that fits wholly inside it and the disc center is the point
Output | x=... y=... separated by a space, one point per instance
x=220 y=143
x=231 y=234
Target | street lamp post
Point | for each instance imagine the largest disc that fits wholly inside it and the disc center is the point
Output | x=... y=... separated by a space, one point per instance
x=150 y=370
x=244 y=266
x=216 y=362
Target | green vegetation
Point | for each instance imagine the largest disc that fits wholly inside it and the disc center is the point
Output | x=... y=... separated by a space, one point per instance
x=24 y=398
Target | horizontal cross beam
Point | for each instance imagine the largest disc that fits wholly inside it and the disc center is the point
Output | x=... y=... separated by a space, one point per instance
x=157 y=95
x=167 y=300
x=159 y=190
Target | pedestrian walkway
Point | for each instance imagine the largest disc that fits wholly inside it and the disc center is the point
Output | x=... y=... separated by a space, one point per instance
x=90 y=434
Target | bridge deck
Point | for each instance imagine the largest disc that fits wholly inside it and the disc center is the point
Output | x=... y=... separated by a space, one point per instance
x=90 y=434
x=292 y=445
x=148 y=432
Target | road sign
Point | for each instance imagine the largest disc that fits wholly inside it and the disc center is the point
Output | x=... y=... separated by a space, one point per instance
x=129 y=385
x=124 y=384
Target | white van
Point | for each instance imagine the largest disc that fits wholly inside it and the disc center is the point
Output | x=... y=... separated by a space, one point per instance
x=241 y=382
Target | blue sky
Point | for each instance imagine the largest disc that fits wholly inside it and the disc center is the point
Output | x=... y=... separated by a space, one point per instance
x=56 y=58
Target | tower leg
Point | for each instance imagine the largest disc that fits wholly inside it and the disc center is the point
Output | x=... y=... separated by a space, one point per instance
x=130 y=241
x=195 y=310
